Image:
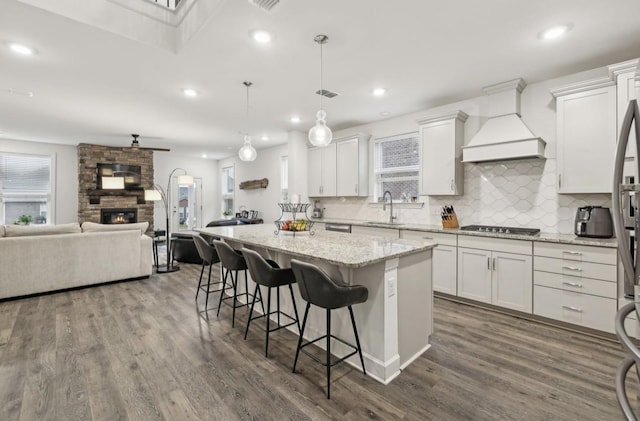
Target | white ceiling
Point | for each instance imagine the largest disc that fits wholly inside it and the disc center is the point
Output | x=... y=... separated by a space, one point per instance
x=94 y=86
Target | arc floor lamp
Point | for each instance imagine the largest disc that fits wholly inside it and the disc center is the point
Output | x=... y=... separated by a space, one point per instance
x=157 y=194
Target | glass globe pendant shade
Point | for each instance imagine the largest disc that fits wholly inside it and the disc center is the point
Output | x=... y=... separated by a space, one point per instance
x=320 y=134
x=247 y=152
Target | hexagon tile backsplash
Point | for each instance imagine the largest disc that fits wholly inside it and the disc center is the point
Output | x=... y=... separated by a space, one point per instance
x=510 y=193
x=520 y=194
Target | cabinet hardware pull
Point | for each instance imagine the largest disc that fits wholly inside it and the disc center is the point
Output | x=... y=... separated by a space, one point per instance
x=572 y=284
x=356 y=188
x=572 y=268
x=559 y=180
x=428 y=238
x=489 y=263
x=576 y=309
x=451 y=184
x=494 y=263
x=576 y=253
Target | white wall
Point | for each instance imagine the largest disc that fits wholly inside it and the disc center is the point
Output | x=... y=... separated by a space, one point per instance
x=206 y=169
x=65 y=183
x=266 y=165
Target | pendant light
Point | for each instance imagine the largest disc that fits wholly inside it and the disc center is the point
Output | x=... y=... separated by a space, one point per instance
x=247 y=152
x=320 y=134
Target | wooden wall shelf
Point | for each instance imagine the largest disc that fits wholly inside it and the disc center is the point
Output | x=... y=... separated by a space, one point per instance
x=96 y=194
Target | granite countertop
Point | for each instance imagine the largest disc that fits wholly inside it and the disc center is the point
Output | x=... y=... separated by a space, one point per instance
x=543 y=236
x=331 y=247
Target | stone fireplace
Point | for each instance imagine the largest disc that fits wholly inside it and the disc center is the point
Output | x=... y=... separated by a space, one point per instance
x=93 y=201
x=118 y=215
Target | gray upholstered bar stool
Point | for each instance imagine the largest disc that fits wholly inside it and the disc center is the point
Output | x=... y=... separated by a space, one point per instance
x=317 y=288
x=268 y=274
x=209 y=257
x=232 y=262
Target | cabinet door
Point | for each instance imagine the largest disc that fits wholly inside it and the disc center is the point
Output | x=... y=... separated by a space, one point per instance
x=586 y=132
x=438 y=159
x=314 y=180
x=321 y=179
x=444 y=269
x=626 y=87
x=329 y=170
x=512 y=281
x=474 y=274
x=347 y=167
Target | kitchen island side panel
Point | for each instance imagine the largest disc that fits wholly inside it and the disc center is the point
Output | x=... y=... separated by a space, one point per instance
x=415 y=306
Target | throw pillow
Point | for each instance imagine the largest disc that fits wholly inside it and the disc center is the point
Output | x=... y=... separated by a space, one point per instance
x=1 y=230
x=95 y=227
x=28 y=230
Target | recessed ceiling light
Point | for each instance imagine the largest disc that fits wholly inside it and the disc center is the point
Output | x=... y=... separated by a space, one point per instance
x=22 y=49
x=261 y=36
x=385 y=113
x=264 y=137
x=379 y=92
x=295 y=119
x=204 y=155
x=189 y=92
x=554 y=32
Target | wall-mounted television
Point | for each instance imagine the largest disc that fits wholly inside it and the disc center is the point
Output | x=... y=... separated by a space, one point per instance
x=132 y=174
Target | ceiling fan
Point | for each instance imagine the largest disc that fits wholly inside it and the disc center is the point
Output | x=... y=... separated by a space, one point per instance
x=136 y=145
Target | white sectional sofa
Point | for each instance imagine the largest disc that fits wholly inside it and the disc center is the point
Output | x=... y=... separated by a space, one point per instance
x=35 y=259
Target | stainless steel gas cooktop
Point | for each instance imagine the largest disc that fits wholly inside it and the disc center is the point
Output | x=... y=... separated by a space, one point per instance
x=501 y=230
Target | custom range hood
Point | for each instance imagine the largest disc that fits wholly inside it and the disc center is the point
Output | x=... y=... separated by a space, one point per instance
x=504 y=136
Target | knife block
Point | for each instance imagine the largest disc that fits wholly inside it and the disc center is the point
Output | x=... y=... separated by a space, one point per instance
x=452 y=222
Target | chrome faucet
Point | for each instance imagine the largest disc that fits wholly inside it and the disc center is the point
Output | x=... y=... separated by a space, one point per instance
x=384 y=205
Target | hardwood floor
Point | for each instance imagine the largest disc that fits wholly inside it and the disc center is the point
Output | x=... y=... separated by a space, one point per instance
x=140 y=350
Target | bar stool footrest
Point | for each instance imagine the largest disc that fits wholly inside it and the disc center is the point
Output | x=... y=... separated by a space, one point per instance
x=280 y=326
x=355 y=350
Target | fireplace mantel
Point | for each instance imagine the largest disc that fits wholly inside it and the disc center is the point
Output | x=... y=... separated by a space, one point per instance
x=96 y=194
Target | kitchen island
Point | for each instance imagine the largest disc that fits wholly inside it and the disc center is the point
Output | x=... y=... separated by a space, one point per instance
x=396 y=321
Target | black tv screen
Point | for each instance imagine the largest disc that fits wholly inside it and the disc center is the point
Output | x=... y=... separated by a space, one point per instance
x=132 y=174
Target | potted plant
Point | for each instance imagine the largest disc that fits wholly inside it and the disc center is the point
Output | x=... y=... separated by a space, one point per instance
x=227 y=214
x=23 y=220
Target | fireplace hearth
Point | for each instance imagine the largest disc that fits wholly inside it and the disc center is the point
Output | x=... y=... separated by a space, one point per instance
x=118 y=215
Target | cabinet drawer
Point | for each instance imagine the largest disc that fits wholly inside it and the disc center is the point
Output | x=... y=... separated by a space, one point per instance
x=575 y=284
x=438 y=237
x=496 y=244
x=576 y=268
x=571 y=307
x=594 y=254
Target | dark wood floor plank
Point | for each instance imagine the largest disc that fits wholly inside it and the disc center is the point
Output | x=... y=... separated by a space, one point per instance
x=142 y=350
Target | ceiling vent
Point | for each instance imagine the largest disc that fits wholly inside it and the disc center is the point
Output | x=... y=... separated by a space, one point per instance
x=264 y=4
x=326 y=93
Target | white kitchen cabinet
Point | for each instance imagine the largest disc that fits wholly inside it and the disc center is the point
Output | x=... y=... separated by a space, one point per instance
x=586 y=136
x=352 y=167
x=322 y=171
x=576 y=284
x=444 y=257
x=339 y=169
x=626 y=91
x=474 y=274
x=496 y=271
x=441 y=168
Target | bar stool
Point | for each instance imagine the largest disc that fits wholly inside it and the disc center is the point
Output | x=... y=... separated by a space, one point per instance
x=267 y=273
x=232 y=260
x=317 y=288
x=209 y=257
